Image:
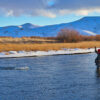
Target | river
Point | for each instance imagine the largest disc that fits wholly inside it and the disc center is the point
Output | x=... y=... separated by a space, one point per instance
x=63 y=77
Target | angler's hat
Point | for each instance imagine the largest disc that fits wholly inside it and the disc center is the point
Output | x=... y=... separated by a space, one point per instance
x=99 y=51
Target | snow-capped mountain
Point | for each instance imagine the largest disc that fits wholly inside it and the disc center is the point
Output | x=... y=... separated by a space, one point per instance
x=86 y=26
x=29 y=26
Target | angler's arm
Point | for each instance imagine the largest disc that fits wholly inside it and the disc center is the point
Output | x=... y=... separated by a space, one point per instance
x=96 y=50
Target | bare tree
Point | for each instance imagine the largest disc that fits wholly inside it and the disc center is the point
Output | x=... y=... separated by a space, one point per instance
x=69 y=35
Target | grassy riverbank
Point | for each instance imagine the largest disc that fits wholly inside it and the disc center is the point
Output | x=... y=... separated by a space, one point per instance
x=46 y=46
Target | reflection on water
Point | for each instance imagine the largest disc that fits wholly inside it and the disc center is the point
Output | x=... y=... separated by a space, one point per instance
x=14 y=68
x=98 y=69
x=98 y=72
x=97 y=62
x=64 y=77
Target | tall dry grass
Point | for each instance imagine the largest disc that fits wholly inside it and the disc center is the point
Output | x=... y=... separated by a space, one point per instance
x=27 y=40
x=47 y=46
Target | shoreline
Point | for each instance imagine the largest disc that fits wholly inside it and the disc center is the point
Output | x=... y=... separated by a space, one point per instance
x=65 y=51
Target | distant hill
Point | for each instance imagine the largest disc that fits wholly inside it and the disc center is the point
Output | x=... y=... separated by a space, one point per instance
x=86 y=26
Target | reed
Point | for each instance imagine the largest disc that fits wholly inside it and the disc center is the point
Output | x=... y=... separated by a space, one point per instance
x=46 y=46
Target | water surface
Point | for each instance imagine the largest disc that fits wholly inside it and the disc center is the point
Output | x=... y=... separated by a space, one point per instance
x=64 y=77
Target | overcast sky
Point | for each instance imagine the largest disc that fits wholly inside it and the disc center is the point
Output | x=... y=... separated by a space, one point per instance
x=45 y=12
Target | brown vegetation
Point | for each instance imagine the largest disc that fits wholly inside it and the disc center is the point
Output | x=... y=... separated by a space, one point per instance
x=50 y=43
x=28 y=40
x=64 y=36
x=71 y=35
x=48 y=46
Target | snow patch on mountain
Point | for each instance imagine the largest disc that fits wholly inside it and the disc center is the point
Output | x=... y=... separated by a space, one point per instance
x=89 y=32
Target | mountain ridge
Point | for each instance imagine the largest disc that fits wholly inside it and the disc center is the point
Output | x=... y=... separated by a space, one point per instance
x=85 y=25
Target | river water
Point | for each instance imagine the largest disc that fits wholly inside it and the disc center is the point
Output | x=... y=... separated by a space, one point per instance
x=64 y=77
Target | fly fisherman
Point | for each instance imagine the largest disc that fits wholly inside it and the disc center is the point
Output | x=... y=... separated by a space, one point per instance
x=97 y=60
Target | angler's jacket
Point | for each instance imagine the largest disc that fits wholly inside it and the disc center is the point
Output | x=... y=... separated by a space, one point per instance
x=97 y=60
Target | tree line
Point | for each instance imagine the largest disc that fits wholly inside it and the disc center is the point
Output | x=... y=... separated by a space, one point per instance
x=71 y=35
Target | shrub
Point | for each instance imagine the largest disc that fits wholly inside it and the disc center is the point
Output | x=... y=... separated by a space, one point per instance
x=69 y=35
x=88 y=38
x=97 y=37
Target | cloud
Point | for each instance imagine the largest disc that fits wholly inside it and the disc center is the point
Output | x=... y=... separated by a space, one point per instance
x=49 y=8
x=9 y=13
x=83 y=12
